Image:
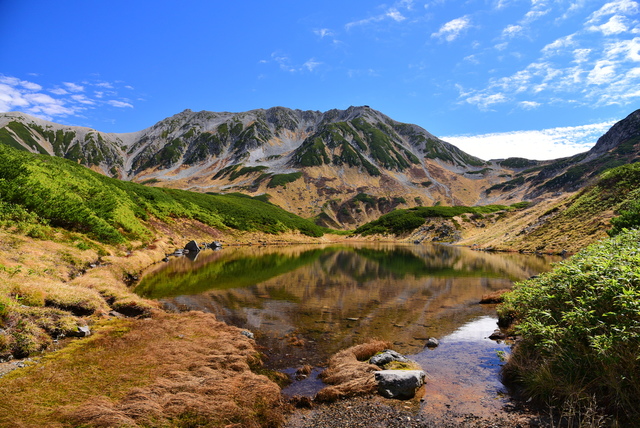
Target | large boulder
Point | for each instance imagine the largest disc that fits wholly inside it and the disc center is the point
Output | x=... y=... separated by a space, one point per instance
x=193 y=247
x=401 y=384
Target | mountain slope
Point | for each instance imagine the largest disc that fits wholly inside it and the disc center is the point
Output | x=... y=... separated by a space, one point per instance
x=341 y=167
x=618 y=146
x=310 y=163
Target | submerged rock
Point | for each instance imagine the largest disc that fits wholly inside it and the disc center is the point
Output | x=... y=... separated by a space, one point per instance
x=401 y=384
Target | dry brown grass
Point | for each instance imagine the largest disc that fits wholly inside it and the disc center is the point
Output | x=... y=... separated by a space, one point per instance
x=349 y=374
x=170 y=370
x=494 y=297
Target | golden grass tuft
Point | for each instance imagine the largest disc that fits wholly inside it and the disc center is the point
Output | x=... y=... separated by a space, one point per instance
x=349 y=374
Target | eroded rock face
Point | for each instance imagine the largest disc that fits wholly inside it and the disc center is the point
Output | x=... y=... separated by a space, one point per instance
x=401 y=384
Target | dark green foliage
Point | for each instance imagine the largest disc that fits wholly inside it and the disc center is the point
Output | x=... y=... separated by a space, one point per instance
x=516 y=163
x=365 y=198
x=265 y=197
x=435 y=149
x=246 y=170
x=380 y=146
x=580 y=328
x=355 y=159
x=24 y=134
x=401 y=221
x=226 y=170
x=283 y=179
x=150 y=181
x=73 y=197
x=481 y=172
x=311 y=153
x=8 y=139
x=521 y=205
x=507 y=185
x=629 y=218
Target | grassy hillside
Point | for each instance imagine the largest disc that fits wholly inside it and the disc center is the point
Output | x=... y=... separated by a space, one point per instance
x=402 y=221
x=57 y=192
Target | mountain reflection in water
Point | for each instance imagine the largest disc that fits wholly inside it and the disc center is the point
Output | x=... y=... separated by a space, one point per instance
x=306 y=302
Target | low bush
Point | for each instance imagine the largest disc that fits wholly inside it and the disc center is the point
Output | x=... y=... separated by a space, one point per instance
x=580 y=328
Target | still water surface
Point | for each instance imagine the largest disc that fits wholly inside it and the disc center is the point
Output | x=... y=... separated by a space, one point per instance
x=306 y=302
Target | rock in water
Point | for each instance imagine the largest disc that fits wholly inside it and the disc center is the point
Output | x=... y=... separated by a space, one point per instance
x=401 y=384
x=432 y=343
x=387 y=356
x=192 y=246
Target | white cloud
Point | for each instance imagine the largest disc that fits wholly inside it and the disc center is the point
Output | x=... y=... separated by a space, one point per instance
x=395 y=15
x=58 y=91
x=559 y=45
x=603 y=72
x=453 y=29
x=624 y=7
x=82 y=99
x=73 y=87
x=119 y=104
x=615 y=25
x=392 y=13
x=529 y=105
x=66 y=99
x=323 y=32
x=581 y=55
x=544 y=144
x=311 y=64
x=512 y=31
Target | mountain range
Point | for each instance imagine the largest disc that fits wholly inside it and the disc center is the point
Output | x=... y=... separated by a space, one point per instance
x=341 y=167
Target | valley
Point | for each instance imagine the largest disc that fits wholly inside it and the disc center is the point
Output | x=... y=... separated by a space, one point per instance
x=84 y=213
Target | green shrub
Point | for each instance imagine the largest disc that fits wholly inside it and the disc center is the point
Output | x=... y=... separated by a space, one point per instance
x=283 y=179
x=629 y=218
x=580 y=328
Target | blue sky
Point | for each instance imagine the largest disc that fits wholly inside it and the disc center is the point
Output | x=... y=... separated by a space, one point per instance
x=540 y=79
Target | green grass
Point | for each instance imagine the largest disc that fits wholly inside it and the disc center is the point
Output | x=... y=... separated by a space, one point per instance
x=580 y=328
x=64 y=194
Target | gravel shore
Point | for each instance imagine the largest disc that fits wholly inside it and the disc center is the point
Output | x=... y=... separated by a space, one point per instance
x=377 y=412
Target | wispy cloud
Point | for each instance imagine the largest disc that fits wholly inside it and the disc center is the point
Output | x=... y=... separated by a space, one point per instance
x=285 y=63
x=119 y=104
x=323 y=32
x=544 y=144
x=311 y=64
x=63 y=100
x=393 y=13
x=453 y=29
x=596 y=65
